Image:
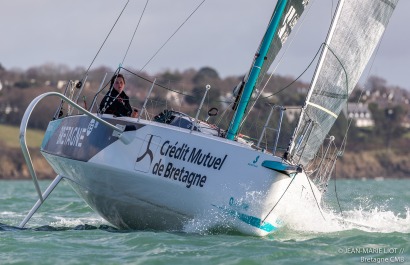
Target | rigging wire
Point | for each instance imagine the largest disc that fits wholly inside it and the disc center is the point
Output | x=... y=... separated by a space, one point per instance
x=303 y=112
x=157 y=84
x=172 y=35
x=317 y=203
x=136 y=28
x=344 y=142
x=109 y=33
x=347 y=89
x=320 y=48
x=296 y=79
x=167 y=88
x=280 y=198
x=285 y=87
x=337 y=197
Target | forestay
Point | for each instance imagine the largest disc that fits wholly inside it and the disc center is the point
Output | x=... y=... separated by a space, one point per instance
x=355 y=32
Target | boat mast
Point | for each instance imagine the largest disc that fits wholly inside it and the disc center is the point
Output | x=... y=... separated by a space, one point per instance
x=316 y=75
x=256 y=69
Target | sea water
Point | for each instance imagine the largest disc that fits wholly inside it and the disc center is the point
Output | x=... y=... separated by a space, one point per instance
x=363 y=222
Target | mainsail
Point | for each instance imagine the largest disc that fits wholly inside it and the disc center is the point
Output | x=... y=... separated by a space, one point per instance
x=356 y=30
x=292 y=11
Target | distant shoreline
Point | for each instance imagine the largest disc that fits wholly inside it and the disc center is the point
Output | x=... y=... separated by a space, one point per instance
x=353 y=165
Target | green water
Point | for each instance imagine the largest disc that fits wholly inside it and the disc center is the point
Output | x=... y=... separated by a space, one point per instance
x=66 y=231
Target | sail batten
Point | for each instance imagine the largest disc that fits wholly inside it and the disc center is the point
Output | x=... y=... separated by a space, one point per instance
x=322 y=108
x=356 y=30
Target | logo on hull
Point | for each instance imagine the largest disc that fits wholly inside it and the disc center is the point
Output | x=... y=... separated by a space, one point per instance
x=253 y=164
x=74 y=135
x=147 y=152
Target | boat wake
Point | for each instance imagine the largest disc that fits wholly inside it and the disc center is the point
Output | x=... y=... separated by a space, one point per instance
x=377 y=220
x=305 y=222
x=368 y=220
x=309 y=220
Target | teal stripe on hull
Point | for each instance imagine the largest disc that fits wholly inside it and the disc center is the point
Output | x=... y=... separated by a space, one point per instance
x=250 y=220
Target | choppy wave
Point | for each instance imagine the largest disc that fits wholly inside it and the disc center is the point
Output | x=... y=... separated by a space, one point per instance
x=373 y=220
x=375 y=217
x=380 y=207
x=5 y=227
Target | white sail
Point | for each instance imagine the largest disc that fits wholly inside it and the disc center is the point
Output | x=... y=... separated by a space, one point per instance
x=354 y=35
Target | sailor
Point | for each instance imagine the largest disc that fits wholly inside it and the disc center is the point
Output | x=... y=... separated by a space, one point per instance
x=116 y=102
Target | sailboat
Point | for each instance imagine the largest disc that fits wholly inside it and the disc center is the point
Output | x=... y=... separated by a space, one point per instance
x=166 y=172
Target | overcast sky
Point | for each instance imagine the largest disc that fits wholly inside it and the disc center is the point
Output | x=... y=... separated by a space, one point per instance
x=221 y=34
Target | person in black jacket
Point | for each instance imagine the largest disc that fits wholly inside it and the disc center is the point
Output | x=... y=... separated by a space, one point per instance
x=116 y=102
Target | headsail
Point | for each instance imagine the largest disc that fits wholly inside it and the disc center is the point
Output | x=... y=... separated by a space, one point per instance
x=287 y=19
x=354 y=35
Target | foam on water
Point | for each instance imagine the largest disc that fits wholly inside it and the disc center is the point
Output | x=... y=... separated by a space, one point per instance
x=380 y=207
x=213 y=222
x=311 y=219
x=373 y=206
x=378 y=219
x=303 y=222
x=70 y=222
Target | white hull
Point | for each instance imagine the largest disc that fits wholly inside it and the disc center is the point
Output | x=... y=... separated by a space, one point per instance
x=153 y=175
x=168 y=176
